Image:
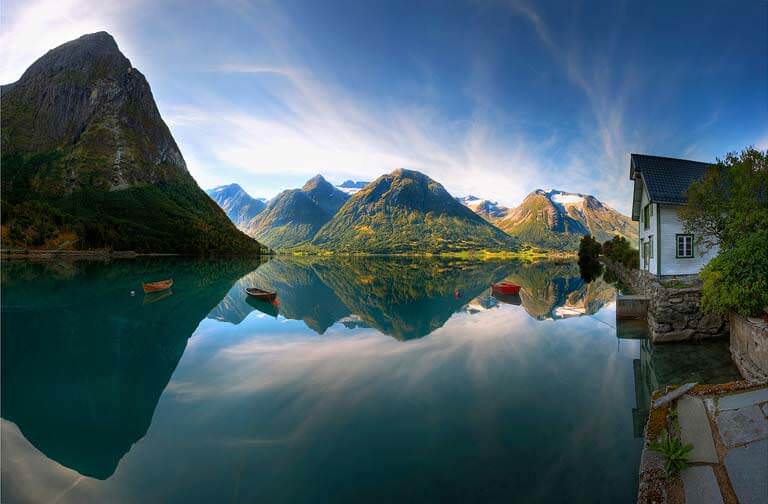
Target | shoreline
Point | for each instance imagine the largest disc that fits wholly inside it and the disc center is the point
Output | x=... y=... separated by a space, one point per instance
x=105 y=254
x=24 y=254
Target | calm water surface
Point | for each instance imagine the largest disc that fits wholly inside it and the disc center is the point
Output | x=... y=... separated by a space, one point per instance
x=373 y=380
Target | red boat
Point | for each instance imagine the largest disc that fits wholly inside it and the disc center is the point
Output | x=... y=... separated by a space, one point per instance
x=506 y=288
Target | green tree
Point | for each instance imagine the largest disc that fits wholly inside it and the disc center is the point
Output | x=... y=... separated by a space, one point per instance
x=729 y=208
x=619 y=250
x=730 y=201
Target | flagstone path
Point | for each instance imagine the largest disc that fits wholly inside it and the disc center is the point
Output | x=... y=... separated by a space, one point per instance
x=730 y=432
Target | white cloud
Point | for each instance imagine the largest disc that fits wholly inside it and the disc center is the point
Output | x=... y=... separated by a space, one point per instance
x=324 y=130
x=31 y=28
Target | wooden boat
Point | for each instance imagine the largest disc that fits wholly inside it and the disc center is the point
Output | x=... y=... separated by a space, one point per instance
x=262 y=294
x=507 y=288
x=157 y=286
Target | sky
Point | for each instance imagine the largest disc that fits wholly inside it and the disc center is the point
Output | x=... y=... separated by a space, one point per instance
x=494 y=98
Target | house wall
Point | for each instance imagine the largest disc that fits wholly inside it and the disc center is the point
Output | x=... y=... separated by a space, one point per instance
x=670 y=263
x=645 y=234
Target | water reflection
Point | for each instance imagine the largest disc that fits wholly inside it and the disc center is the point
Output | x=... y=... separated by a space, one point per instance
x=84 y=362
x=672 y=364
x=204 y=393
x=408 y=298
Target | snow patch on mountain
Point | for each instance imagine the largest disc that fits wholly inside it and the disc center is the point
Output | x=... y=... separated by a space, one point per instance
x=483 y=207
x=567 y=198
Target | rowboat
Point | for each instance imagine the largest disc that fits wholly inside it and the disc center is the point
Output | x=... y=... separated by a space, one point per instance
x=157 y=286
x=262 y=294
x=507 y=288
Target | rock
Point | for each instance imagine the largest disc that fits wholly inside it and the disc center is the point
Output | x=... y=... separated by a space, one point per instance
x=694 y=429
x=747 y=469
x=675 y=300
x=683 y=335
x=701 y=486
x=740 y=400
x=742 y=425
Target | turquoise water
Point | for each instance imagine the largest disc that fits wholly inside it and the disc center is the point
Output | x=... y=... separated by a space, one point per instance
x=372 y=380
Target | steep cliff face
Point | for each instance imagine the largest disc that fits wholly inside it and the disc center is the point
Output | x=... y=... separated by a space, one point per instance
x=89 y=162
x=85 y=97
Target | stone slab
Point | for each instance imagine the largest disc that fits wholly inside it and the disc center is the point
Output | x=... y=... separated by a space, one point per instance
x=741 y=426
x=747 y=468
x=737 y=401
x=701 y=486
x=694 y=429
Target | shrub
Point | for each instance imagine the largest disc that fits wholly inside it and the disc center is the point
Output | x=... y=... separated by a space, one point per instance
x=737 y=279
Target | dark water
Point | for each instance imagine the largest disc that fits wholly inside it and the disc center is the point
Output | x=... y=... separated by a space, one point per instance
x=373 y=380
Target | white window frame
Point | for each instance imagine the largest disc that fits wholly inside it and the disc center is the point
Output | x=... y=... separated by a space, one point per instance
x=684 y=246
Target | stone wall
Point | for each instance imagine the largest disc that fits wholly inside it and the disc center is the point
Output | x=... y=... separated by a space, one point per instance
x=749 y=346
x=673 y=305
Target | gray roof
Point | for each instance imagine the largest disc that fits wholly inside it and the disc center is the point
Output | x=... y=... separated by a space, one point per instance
x=667 y=179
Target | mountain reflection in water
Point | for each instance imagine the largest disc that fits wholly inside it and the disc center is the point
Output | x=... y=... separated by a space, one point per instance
x=408 y=298
x=84 y=362
x=205 y=393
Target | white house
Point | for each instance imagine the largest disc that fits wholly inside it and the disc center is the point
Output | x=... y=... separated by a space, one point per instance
x=660 y=186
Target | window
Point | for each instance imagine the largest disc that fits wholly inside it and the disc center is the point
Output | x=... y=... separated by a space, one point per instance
x=646 y=253
x=650 y=247
x=684 y=246
x=647 y=216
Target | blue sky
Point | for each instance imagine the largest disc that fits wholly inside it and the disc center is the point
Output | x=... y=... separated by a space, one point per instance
x=494 y=98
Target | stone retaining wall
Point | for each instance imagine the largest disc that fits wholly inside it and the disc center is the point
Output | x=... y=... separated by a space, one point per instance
x=673 y=305
x=749 y=346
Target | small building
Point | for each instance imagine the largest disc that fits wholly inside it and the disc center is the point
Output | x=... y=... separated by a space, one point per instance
x=660 y=187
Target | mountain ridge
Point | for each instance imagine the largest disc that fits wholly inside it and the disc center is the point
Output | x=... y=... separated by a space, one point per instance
x=558 y=219
x=405 y=211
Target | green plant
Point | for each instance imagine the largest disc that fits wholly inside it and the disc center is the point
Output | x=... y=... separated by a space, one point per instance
x=674 y=451
x=619 y=250
x=729 y=208
x=737 y=279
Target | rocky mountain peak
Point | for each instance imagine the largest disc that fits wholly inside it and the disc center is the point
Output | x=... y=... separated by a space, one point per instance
x=318 y=181
x=85 y=100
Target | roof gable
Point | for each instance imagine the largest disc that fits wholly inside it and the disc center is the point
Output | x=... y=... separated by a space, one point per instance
x=666 y=179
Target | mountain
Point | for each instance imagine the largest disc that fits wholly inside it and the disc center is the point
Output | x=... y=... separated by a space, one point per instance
x=487 y=209
x=352 y=186
x=89 y=162
x=294 y=216
x=558 y=219
x=239 y=206
x=406 y=212
x=324 y=194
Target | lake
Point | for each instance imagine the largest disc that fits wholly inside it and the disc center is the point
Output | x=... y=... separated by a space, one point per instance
x=371 y=380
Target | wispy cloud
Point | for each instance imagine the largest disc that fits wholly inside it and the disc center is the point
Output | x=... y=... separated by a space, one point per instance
x=325 y=130
x=31 y=28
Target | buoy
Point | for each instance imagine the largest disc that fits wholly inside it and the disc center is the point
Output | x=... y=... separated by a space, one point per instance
x=133 y=293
